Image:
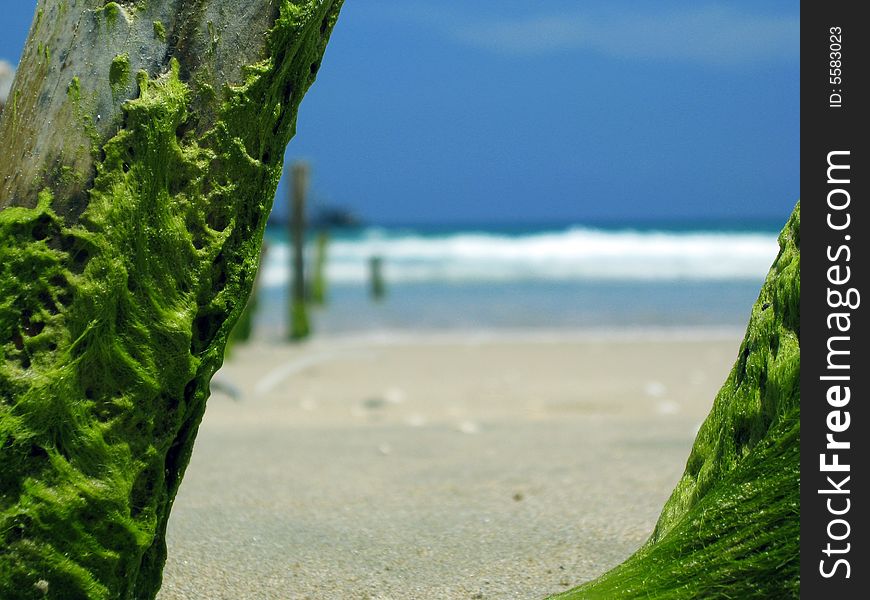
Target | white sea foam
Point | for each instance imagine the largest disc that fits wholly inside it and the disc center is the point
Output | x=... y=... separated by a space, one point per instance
x=570 y=255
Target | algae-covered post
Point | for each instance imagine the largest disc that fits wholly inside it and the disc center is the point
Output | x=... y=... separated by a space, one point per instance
x=299 y=328
x=377 y=288
x=139 y=154
x=731 y=528
x=318 y=276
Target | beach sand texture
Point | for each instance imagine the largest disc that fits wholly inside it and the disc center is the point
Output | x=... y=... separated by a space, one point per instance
x=463 y=466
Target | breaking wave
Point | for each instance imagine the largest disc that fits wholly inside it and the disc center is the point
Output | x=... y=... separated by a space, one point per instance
x=574 y=254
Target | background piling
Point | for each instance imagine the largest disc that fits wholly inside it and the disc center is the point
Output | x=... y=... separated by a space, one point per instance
x=377 y=287
x=318 y=276
x=299 y=326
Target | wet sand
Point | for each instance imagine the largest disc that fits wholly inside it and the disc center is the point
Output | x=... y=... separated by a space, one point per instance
x=439 y=467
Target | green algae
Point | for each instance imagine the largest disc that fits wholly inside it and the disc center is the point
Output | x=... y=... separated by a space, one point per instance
x=119 y=73
x=44 y=51
x=74 y=90
x=213 y=37
x=79 y=100
x=731 y=528
x=113 y=323
x=160 y=31
x=112 y=10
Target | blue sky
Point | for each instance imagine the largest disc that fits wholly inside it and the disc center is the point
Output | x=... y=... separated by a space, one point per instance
x=446 y=111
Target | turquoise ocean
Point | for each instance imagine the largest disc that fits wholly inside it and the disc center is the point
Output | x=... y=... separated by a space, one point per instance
x=555 y=277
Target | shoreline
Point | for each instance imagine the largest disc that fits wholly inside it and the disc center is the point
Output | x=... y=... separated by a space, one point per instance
x=448 y=336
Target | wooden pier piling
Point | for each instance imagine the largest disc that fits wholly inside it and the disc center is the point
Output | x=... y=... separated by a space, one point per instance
x=377 y=287
x=299 y=326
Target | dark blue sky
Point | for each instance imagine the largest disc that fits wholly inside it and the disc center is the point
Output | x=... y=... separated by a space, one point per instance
x=506 y=110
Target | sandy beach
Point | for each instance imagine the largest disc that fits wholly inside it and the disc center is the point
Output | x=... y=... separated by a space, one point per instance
x=438 y=467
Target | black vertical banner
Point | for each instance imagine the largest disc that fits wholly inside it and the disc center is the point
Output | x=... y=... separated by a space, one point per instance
x=835 y=371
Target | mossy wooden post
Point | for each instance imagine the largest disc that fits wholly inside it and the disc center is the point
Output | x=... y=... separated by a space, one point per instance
x=377 y=289
x=731 y=528
x=299 y=327
x=318 y=277
x=139 y=153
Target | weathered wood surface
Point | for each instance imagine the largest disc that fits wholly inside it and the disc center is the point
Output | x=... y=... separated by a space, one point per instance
x=46 y=134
